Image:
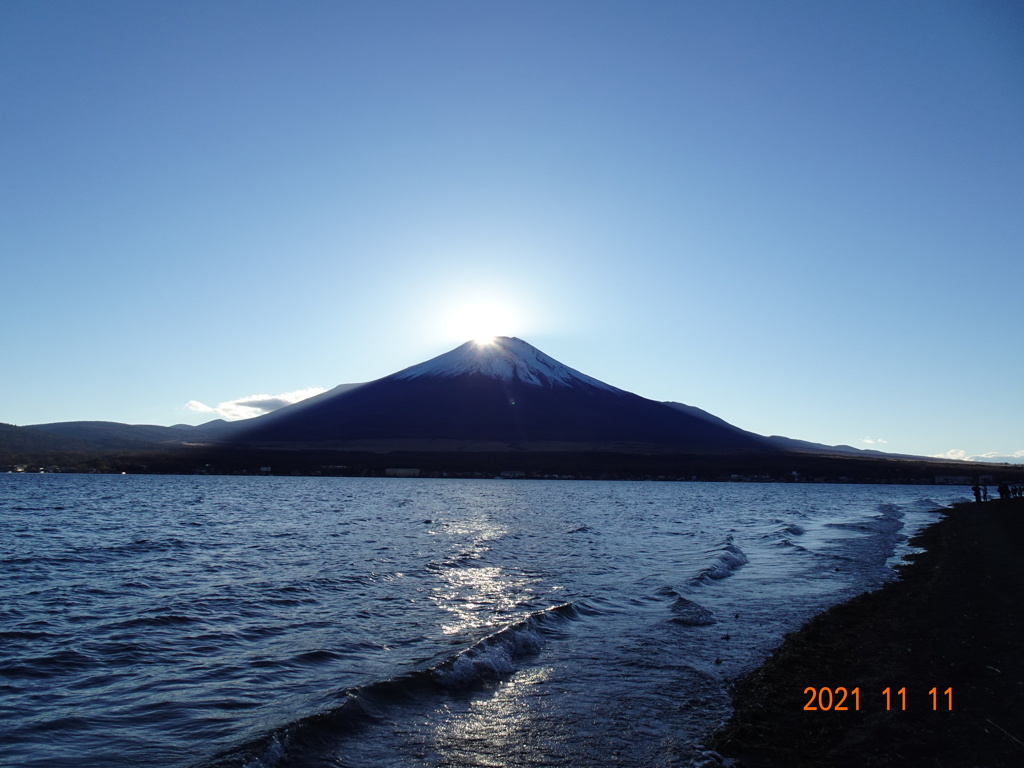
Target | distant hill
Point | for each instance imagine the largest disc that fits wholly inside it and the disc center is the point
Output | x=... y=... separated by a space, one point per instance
x=796 y=446
x=17 y=441
x=804 y=446
x=111 y=435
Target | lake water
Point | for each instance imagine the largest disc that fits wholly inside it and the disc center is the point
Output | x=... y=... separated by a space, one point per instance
x=391 y=623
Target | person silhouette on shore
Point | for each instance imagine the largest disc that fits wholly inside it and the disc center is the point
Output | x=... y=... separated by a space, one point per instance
x=977 y=493
x=1004 y=491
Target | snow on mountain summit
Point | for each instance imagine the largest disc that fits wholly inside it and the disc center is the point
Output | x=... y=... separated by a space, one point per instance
x=506 y=358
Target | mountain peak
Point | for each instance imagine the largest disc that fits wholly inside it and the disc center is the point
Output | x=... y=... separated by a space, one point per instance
x=505 y=358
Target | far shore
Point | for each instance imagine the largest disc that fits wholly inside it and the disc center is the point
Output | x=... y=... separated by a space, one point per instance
x=946 y=641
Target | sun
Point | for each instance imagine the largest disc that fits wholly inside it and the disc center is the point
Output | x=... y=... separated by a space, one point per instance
x=480 y=322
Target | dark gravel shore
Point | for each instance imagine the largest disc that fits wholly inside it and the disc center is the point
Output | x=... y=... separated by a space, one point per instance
x=954 y=620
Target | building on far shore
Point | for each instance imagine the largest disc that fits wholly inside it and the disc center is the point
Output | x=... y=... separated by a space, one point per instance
x=401 y=472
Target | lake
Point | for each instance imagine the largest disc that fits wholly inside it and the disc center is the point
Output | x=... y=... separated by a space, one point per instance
x=388 y=623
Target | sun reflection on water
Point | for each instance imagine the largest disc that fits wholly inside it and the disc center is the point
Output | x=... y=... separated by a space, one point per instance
x=474 y=594
x=495 y=728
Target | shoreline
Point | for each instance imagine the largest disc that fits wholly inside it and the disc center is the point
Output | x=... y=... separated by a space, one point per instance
x=952 y=622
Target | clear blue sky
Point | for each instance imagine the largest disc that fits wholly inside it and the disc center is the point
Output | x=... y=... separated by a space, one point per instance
x=806 y=218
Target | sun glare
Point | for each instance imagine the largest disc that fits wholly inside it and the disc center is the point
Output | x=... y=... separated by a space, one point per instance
x=480 y=323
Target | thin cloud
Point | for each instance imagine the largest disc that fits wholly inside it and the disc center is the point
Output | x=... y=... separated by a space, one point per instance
x=1000 y=457
x=874 y=441
x=958 y=454
x=253 y=405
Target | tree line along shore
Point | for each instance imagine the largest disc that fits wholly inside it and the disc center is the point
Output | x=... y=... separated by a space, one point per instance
x=569 y=463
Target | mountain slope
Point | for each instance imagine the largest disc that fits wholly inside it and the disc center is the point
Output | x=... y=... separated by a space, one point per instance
x=506 y=358
x=506 y=391
x=24 y=440
x=111 y=435
x=791 y=445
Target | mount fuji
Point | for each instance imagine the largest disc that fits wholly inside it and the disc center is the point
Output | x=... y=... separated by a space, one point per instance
x=502 y=392
x=476 y=410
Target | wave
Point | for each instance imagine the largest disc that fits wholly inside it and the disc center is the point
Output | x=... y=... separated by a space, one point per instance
x=691 y=614
x=888 y=519
x=51 y=665
x=784 y=535
x=156 y=620
x=490 y=658
x=687 y=612
x=728 y=558
x=790 y=545
x=926 y=504
x=785 y=530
